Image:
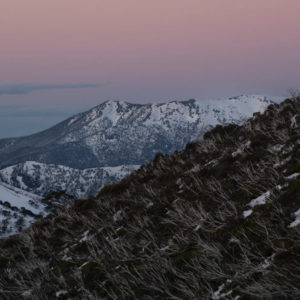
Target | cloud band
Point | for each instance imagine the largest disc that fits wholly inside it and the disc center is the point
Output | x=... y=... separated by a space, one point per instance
x=26 y=88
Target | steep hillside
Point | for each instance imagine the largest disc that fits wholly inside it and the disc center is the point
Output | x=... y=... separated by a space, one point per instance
x=42 y=179
x=119 y=133
x=219 y=220
x=18 y=209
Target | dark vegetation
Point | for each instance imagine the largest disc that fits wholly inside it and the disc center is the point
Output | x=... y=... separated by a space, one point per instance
x=57 y=200
x=176 y=228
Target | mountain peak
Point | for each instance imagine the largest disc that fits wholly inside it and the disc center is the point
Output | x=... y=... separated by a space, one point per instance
x=117 y=132
x=114 y=102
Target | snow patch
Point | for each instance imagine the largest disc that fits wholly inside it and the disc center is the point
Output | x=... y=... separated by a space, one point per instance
x=297 y=219
x=277 y=147
x=197 y=227
x=292 y=176
x=268 y=261
x=293 y=121
x=261 y=200
x=220 y=294
x=84 y=236
x=117 y=216
x=150 y=204
x=241 y=149
x=60 y=293
x=247 y=213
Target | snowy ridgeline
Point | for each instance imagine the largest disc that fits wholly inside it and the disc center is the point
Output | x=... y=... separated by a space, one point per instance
x=152 y=128
x=118 y=133
x=42 y=179
x=172 y=114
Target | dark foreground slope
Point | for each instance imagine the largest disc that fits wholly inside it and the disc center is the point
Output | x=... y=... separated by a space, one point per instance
x=215 y=221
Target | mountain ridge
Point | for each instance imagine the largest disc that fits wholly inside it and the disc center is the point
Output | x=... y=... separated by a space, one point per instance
x=41 y=179
x=117 y=133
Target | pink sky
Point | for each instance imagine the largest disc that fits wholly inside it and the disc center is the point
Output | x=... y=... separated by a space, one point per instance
x=145 y=51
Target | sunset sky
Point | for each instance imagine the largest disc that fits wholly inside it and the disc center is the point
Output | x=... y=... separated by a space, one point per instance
x=62 y=56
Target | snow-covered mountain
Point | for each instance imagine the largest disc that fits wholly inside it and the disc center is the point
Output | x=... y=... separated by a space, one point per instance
x=18 y=209
x=42 y=178
x=119 y=133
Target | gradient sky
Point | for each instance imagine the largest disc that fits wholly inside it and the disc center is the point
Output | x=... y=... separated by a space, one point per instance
x=77 y=54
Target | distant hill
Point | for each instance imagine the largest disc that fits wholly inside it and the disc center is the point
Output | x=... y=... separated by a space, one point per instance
x=42 y=179
x=119 y=133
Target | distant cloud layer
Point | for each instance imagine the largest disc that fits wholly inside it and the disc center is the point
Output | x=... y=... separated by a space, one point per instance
x=26 y=88
x=16 y=111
